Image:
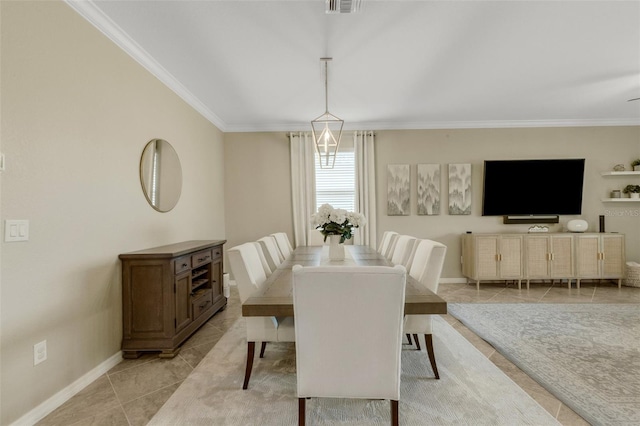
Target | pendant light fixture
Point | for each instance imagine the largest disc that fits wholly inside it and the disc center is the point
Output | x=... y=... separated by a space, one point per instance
x=327 y=129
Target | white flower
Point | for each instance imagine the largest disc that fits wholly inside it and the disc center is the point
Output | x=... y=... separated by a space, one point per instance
x=332 y=221
x=356 y=219
x=322 y=216
x=338 y=216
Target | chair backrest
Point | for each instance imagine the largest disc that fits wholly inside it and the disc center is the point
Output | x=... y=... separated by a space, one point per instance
x=348 y=325
x=392 y=244
x=263 y=259
x=427 y=264
x=283 y=244
x=402 y=249
x=384 y=242
x=247 y=269
x=271 y=252
x=315 y=238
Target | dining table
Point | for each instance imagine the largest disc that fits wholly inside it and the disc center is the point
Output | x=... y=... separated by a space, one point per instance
x=275 y=297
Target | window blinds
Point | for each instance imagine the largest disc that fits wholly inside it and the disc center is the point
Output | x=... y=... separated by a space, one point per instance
x=337 y=186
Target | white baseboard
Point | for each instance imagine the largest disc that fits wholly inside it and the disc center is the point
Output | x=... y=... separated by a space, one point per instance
x=453 y=280
x=48 y=406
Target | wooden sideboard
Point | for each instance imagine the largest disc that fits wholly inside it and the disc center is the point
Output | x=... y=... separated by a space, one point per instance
x=540 y=256
x=168 y=292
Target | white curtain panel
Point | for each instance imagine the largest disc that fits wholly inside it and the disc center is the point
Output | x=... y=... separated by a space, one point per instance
x=365 y=187
x=302 y=185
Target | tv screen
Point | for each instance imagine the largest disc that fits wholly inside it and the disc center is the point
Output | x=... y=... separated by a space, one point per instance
x=532 y=187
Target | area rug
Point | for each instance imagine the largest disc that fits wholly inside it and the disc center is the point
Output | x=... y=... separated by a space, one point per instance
x=587 y=355
x=471 y=390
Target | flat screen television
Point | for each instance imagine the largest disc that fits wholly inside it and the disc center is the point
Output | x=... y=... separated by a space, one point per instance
x=532 y=187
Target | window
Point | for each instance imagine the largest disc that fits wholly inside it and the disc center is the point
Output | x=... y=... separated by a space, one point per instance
x=337 y=186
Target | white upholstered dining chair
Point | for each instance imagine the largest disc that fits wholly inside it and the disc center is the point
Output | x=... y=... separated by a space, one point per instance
x=263 y=258
x=271 y=252
x=402 y=249
x=426 y=267
x=385 y=241
x=282 y=240
x=388 y=253
x=249 y=275
x=348 y=333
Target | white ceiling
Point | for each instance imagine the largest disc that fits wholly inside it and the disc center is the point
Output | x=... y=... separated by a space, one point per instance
x=255 y=65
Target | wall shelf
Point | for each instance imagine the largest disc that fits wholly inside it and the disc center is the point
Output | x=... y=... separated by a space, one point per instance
x=627 y=173
x=621 y=200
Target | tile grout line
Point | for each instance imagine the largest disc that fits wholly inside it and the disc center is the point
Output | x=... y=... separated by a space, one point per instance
x=118 y=399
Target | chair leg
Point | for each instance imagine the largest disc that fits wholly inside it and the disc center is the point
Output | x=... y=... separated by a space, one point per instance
x=301 y=411
x=251 y=349
x=409 y=339
x=428 y=338
x=264 y=345
x=394 y=413
x=415 y=337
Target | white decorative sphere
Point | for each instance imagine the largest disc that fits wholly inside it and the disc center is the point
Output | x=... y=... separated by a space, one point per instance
x=577 y=225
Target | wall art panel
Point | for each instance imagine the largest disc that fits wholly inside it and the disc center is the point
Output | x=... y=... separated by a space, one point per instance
x=459 y=189
x=398 y=187
x=428 y=189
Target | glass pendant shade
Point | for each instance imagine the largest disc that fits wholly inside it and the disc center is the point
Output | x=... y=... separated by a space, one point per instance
x=327 y=130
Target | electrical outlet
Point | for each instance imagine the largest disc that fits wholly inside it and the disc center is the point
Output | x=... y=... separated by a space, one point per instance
x=39 y=352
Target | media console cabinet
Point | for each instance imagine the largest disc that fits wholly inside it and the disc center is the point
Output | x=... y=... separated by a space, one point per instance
x=541 y=256
x=168 y=292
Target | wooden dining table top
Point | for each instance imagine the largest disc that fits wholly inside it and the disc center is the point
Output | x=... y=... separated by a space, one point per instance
x=276 y=296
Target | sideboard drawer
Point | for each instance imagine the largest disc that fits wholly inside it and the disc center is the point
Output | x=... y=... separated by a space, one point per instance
x=217 y=252
x=201 y=303
x=181 y=264
x=200 y=258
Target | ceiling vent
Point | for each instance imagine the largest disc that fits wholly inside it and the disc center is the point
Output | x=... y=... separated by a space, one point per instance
x=343 y=6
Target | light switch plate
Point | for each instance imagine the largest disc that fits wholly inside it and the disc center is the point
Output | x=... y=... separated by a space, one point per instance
x=16 y=230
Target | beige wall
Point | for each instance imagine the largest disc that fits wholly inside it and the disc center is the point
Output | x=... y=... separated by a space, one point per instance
x=76 y=114
x=602 y=147
x=257 y=186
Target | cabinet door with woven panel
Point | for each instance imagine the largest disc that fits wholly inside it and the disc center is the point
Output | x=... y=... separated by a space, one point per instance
x=511 y=257
x=487 y=255
x=600 y=256
x=588 y=256
x=562 y=256
x=537 y=254
x=613 y=257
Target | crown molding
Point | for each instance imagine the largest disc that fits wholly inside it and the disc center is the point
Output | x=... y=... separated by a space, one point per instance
x=439 y=125
x=92 y=13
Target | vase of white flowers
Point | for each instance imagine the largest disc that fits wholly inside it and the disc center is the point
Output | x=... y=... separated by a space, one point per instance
x=336 y=248
x=337 y=224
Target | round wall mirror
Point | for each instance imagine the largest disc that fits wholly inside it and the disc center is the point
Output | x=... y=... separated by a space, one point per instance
x=161 y=175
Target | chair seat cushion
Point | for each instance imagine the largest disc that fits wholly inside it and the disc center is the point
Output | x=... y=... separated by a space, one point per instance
x=417 y=324
x=262 y=329
x=286 y=329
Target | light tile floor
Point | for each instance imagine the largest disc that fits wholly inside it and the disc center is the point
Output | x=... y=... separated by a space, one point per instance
x=134 y=390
